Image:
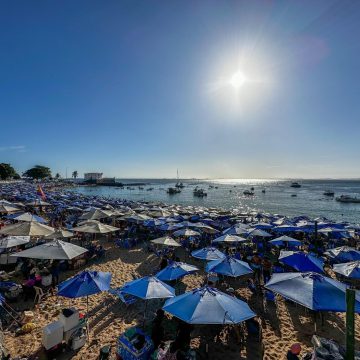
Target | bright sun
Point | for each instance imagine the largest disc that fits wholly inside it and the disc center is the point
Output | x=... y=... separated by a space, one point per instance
x=237 y=80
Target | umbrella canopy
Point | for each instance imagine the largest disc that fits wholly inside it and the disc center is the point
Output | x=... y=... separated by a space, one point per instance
x=175 y=270
x=84 y=284
x=54 y=250
x=350 y=270
x=312 y=290
x=208 y=253
x=186 y=233
x=208 y=305
x=38 y=202
x=285 y=241
x=60 y=234
x=153 y=222
x=229 y=239
x=31 y=228
x=258 y=233
x=96 y=214
x=229 y=266
x=166 y=241
x=8 y=208
x=301 y=261
x=343 y=254
x=26 y=216
x=148 y=287
x=95 y=228
x=12 y=241
x=240 y=229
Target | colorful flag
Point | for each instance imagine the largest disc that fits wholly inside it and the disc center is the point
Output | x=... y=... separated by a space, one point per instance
x=40 y=192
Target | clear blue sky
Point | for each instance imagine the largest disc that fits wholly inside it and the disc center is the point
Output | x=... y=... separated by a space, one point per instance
x=214 y=88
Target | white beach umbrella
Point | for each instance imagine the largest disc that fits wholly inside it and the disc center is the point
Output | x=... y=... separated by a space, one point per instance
x=229 y=239
x=95 y=228
x=54 y=250
x=166 y=241
x=38 y=202
x=60 y=234
x=31 y=228
x=8 y=208
x=13 y=241
x=186 y=232
x=96 y=214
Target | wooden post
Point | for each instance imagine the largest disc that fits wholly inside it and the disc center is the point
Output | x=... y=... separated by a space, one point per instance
x=350 y=324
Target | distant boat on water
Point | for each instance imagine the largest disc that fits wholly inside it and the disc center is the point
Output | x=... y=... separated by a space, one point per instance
x=199 y=192
x=248 y=193
x=347 y=199
x=329 y=193
x=295 y=185
x=178 y=184
x=173 y=191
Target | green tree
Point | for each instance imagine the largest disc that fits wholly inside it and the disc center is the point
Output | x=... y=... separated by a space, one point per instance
x=75 y=174
x=8 y=172
x=38 y=172
x=57 y=176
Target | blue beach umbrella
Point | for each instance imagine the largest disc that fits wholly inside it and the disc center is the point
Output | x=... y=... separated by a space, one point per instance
x=312 y=290
x=148 y=287
x=208 y=305
x=285 y=241
x=229 y=266
x=175 y=270
x=236 y=230
x=208 y=253
x=350 y=270
x=343 y=254
x=301 y=261
x=153 y=222
x=84 y=284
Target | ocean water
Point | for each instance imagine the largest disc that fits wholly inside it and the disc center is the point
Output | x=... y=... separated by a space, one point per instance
x=277 y=199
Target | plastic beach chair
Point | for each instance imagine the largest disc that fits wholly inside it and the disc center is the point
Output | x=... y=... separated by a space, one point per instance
x=125 y=298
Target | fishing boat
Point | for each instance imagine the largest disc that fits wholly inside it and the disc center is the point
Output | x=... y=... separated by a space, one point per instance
x=263 y=191
x=347 y=199
x=329 y=193
x=199 y=192
x=173 y=191
x=178 y=184
x=295 y=185
x=248 y=193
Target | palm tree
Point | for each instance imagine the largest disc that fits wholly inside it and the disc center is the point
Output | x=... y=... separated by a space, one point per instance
x=75 y=174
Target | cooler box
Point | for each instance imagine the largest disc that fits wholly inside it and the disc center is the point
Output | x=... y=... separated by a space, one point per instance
x=69 y=318
x=52 y=334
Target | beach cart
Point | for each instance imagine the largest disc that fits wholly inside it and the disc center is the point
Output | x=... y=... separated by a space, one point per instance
x=134 y=344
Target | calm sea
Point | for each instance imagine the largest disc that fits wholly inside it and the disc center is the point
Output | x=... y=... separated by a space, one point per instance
x=277 y=199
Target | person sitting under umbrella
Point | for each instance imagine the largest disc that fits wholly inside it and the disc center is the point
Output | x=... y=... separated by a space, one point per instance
x=294 y=351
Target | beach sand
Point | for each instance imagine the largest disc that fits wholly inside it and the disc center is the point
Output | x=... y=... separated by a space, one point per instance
x=282 y=323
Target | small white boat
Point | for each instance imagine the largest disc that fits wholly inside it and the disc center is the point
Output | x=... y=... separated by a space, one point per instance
x=347 y=199
x=248 y=192
x=295 y=185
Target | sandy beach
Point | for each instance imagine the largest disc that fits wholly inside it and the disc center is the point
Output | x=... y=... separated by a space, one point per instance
x=282 y=323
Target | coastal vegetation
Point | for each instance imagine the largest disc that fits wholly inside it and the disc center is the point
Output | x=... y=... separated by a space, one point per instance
x=38 y=172
x=8 y=172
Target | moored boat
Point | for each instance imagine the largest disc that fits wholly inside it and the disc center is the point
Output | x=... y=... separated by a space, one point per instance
x=329 y=193
x=348 y=199
x=295 y=185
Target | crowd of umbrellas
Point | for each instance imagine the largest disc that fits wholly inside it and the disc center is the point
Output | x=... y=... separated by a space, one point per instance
x=306 y=284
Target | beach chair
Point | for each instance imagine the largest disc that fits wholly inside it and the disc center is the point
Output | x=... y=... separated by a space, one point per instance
x=125 y=298
x=39 y=294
